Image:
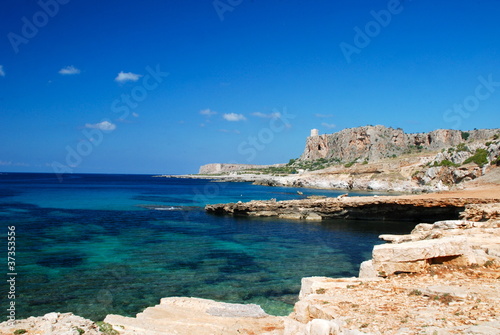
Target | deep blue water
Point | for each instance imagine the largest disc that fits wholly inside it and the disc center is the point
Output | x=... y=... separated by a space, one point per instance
x=100 y=244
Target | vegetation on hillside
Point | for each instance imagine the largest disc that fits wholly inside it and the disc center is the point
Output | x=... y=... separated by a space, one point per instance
x=480 y=157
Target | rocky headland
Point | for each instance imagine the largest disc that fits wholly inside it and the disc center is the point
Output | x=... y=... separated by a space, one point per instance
x=377 y=158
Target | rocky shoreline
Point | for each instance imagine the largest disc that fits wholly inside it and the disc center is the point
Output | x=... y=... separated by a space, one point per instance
x=364 y=208
x=377 y=158
x=440 y=279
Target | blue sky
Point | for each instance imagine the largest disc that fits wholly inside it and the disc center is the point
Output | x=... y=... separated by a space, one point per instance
x=165 y=86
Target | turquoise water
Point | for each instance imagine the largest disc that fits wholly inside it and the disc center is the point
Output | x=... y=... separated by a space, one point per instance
x=100 y=244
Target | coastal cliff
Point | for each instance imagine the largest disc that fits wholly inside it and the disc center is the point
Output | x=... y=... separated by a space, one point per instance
x=217 y=168
x=380 y=159
x=373 y=143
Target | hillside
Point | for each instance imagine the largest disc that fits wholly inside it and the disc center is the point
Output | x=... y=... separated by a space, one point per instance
x=373 y=143
x=382 y=159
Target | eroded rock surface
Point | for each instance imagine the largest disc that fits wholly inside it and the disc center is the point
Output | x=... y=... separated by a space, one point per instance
x=377 y=142
x=198 y=316
x=51 y=324
x=380 y=208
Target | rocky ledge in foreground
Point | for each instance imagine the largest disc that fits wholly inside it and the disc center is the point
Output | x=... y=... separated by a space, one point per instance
x=409 y=208
x=442 y=279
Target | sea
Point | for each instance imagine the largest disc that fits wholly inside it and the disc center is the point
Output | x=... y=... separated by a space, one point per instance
x=98 y=244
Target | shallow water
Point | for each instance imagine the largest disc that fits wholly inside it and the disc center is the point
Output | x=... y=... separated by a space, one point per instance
x=101 y=244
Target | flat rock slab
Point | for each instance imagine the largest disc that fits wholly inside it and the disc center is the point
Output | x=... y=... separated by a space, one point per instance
x=237 y=310
x=408 y=208
x=446 y=300
x=181 y=316
x=420 y=250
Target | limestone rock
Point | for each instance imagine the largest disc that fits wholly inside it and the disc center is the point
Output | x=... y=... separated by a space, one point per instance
x=484 y=212
x=53 y=323
x=366 y=270
x=376 y=142
x=322 y=327
x=419 y=250
x=198 y=316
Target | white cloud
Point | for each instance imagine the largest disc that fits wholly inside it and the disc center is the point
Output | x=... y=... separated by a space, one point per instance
x=328 y=125
x=69 y=70
x=10 y=163
x=208 y=112
x=234 y=117
x=2 y=73
x=273 y=115
x=323 y=115
x=134 y=114
x=104 y=125
x=123 y=77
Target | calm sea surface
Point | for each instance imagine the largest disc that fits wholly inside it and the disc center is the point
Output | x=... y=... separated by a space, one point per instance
x=100 y=244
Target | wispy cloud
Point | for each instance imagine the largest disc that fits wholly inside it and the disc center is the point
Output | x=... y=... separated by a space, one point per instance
x=104 y=125
x=234 y=131
x=233 y=117
x=328 y=125
x=123 y=77
x=273 y=115
x=323 y=115
x=207 y=112
x=2 y=73
x=69 y=70
x=10 y=163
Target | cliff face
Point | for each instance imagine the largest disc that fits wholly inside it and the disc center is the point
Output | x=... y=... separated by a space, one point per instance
x=373 y=143
x=217 y=168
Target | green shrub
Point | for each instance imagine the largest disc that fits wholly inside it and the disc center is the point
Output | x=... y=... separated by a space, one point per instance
x=348 y=165
x=106 y=328
x=445 y=162
x=291 y=161
x=20 y=331
x=480 y=158
x=462 y=147
x=465 y=135
x=279 y=170
x=415 y=292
